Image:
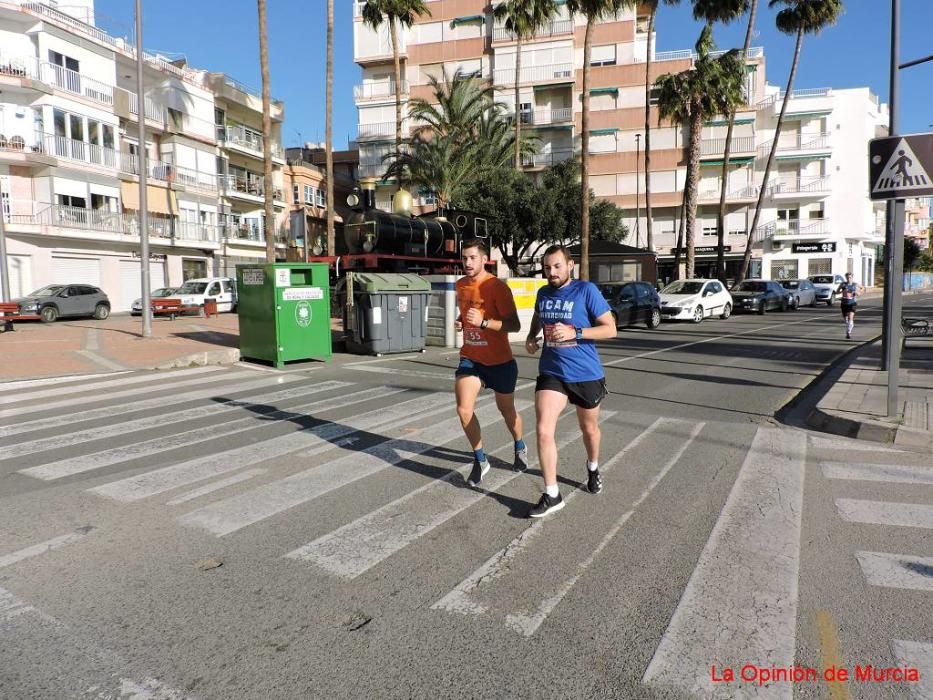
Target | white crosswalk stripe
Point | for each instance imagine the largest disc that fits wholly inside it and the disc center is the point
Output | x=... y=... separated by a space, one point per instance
x=918 y=655
x=897 y=570
x=147 y=448
x=43 y=547
x=890 y=473
x=885 y=513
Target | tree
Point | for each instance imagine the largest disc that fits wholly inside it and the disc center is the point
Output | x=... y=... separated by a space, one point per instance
x=912 y=254
x=594 y=11
x=395 y=12
x=799 y=17
x=523 y=18
x=652 y=16
x=712 y=86
x=328 y=130
x=268 y=189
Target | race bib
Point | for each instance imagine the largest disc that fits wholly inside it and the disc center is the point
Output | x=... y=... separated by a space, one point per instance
x=551 y=341
x=474 y=336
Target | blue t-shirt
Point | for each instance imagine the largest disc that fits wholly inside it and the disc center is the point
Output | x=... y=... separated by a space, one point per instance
x=849 y=291
x=578 y=304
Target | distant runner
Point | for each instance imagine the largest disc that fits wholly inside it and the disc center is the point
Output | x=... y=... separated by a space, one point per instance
x=572 y=314
x=849 y=291
x=486 y=316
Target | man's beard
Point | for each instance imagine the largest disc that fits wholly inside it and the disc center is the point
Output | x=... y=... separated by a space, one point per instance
x=559 y=282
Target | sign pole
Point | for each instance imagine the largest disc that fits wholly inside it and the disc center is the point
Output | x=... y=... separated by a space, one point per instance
x=142 y=167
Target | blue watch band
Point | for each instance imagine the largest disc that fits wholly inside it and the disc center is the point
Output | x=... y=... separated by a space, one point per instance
x=579 y=332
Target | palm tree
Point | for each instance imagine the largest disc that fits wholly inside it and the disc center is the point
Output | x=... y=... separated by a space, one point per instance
x=269 y=227
x=523 y=18
x=328 y=130
x=725 y=11
x=798 y=17
x=653 y=12
x=712 y=86
x=594 y=11
x=395 y=12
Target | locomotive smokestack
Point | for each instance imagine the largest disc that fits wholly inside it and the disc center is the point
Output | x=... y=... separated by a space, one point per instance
x=368 y=188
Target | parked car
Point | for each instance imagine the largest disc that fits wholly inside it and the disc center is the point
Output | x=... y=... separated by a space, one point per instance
x=161 y=293
x=695 y=300
x=760 y=296
x=803 y=290
x=633 y=302
x=195 y=291
x=826 y=286
x=65 y=301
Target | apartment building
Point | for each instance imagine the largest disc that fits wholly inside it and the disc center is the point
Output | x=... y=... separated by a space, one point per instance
x=917 y=221
x=817 y=194
x=70 y=158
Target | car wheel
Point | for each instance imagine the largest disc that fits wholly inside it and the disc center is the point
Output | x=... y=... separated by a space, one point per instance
x=784 y=305
x=762 y=310
x=726 y=311
x=48 y=314
x=832 y=300
x=654 y=320
x=698 y=314
x=795 y=304
x=101 y=311
x=813 y=303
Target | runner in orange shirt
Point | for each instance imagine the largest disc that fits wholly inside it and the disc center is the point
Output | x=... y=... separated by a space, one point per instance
x=486 y=316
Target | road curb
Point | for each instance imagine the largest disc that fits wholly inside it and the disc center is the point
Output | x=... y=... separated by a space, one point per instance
x=227 y=356
x=836 y=425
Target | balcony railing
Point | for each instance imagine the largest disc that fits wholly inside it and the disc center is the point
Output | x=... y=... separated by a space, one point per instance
x=57 y=76
x=555 y=28
x=688 y=55
x=99 y=220
x=793 y=228
x=798 y=185
x=168 y=172
x=154 y=112
x=544 y=160
x=717 y=147
x=252 y=186
x=375 y=91
x=545 y=116
x=535 y=74
x=796 y=142
x=382 y=130
x=796 y=94
x=249 y=140
x=79 y=151
x=742 y=193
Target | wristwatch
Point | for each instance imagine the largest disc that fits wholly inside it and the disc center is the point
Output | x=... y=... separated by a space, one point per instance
x=484 y=323
x=579 y=332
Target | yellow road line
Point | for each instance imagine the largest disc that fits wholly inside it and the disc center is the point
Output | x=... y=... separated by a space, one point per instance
x=829 y=644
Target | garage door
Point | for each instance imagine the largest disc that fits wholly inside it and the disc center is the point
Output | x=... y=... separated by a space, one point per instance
x=75 y=271
x=20 y=277
x=131 y=285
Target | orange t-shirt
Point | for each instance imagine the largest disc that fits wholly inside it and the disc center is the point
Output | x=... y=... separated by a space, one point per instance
x=493 y=297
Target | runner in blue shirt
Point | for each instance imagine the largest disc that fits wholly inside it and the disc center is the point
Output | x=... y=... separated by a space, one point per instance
x=573 y=314
x=849 y=292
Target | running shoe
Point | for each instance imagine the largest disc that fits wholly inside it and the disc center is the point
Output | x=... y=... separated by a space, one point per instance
x=478 y=472
x=546 y=506
x=521 y=460
x=594 y=482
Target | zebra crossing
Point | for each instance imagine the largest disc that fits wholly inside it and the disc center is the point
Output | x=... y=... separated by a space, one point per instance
x=883 y=467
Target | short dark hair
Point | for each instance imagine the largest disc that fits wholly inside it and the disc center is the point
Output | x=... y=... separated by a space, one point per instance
x=557 y=248
x=476 y=243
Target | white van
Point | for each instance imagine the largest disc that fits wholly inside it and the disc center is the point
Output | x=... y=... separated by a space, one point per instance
x=195 y=291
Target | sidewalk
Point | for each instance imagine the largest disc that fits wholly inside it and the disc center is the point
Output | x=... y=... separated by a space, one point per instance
x=856 y=403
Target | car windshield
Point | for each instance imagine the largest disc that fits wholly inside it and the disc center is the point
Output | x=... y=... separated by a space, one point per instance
x=192 y=288
x=790 y=284
x=50 y=290
x=684 y=287
x=750 y=287
x=822 y=279
x=163 y=292
x=609 y=291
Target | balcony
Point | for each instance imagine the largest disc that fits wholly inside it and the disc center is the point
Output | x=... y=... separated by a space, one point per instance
x=249 y=142
x=558 y=27
x=799 y=187
x=717 y=147
x=154 y=112
x=688 y=55
x=59 y=77
x=796 y=142
x=248 y=188
x=547 y=116
x=383 y=131
x=742 y=194
x=169 y=172
x=794 y=228
x=78 y=151
x=546 y=160
x=555 y=72
x=377 y=91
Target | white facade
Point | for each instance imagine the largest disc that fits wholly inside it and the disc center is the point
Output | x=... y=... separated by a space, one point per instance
x=70 y=158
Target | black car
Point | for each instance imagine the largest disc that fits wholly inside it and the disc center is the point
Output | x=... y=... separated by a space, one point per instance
x=65 y=300
x=760 y=296
x=633 y=302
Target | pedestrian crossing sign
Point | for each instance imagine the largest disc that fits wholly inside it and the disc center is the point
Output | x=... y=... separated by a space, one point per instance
x=901 y=166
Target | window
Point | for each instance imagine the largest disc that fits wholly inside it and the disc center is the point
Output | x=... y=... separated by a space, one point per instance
x=430 y=32
x=603 y=55
x=296 y=197
x=309 y=195
x=784 y=269
x=654 y=96
x=641 y=24
x=602 y=143
x=321 y=197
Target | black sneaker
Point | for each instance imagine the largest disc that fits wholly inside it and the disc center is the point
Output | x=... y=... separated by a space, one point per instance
x=478 y=472
x=546 y=506
x=848 y=336
x=521 y=460
x=594 y=482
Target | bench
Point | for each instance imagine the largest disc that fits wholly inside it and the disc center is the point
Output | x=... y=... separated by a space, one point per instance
x=9 y=312
x=173 y=307
x=915 y=328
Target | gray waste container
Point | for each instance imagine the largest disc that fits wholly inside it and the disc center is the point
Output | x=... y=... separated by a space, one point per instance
x=389 y=313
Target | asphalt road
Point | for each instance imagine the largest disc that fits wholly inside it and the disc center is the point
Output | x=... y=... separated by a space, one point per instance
x=248 y=533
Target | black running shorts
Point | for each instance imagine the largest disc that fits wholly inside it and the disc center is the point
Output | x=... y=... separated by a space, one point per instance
x=582 y=394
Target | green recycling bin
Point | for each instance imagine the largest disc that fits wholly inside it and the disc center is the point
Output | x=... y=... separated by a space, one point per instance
x=389 y=313
x=284 y=312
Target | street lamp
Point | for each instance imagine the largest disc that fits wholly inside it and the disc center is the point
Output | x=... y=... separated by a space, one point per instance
x=637 y=185
x=143 y=171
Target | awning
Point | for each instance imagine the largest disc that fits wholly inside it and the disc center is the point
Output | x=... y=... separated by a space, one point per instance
x=725 y=122
x=466 y=20
x=605 y=91
x=805 y=115
x=602 y=132
x=744 y=160
x=815 y=156
x=159 y=200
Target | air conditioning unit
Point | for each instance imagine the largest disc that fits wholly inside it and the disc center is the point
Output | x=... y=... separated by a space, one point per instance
x=777 y=245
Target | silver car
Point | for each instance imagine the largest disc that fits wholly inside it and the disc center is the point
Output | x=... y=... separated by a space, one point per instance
x=826 y=286
x=804 y=292
x=65 y=300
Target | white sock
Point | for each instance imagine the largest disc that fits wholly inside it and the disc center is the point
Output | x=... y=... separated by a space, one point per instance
x=552 y=491
x=849 y=326
x=592 y=466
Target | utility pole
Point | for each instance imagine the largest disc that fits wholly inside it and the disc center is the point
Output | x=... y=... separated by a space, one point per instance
x=4 y=266
x=143 y=172
x=637 y=186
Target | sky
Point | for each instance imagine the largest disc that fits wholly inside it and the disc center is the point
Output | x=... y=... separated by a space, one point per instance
x=222 y=35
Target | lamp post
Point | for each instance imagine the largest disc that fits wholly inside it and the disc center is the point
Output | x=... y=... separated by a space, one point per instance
x=143 y=165
x=4 y=266
x=637 y=186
